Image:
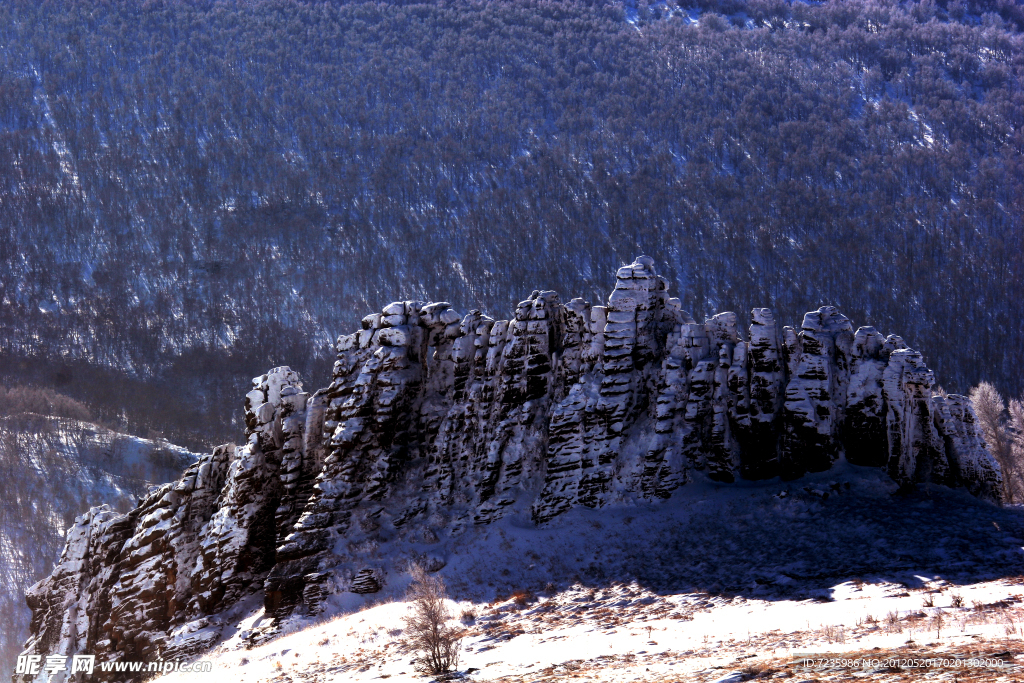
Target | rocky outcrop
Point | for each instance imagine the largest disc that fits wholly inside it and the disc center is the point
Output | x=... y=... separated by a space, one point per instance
x=969 y=460
x=123 y=581
x=764 y=388
x=434 y=421
x=817 y=358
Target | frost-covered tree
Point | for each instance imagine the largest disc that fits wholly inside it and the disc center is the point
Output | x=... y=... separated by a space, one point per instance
x=1016 y=433
x=990 y=408
x=427 y=632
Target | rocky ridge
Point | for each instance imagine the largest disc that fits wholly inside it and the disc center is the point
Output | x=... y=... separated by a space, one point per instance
x=434 y=421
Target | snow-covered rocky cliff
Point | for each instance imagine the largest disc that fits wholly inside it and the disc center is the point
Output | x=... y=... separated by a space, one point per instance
x=51 y=469
x=435 y=422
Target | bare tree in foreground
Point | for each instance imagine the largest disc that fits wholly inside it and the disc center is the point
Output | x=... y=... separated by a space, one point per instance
x=426 y=630
x=1005 y=438
x=1016 y=431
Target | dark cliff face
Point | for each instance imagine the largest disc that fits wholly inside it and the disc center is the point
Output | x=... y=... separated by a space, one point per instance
x=435 y=421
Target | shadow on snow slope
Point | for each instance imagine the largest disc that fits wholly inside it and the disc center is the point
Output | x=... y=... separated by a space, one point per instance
x=768 y=540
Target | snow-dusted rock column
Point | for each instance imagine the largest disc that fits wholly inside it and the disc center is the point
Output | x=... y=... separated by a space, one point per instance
x=766 y=374
x=968 y=456
x=67 y=610
x=818 y=360
x=122 y=583
x=587 y=427
x=916 y=452
x=239 y=540
x=864 y=432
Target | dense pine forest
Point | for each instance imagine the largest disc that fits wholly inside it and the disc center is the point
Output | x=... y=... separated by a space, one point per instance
x=192 y=192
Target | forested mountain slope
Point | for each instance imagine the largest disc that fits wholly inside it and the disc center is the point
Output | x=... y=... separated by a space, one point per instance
x=191 y=192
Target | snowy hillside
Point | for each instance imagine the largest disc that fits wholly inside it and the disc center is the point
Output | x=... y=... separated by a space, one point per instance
x=623 y=632
x=51 y=470
x=688 y=592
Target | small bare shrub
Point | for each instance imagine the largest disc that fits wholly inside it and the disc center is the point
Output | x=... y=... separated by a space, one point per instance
x=468 y=616
x=892 y=623
x=522 y=598
x=426 y=630
x=758 y=670
x=833 y=634
x=978 y=605
x=957 y=600
x=929 y=600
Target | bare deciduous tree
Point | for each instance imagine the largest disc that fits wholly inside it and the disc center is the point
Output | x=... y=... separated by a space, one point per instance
x=427 y=632
x=1016 y=433
x=990 y=408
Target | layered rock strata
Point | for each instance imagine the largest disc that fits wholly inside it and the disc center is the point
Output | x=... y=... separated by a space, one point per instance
x=434 y=421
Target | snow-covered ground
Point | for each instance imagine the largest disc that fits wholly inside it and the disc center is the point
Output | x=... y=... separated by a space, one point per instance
x=624 y=632
x=721 y=580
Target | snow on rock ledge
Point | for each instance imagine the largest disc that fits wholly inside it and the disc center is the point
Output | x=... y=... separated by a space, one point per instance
x=434 y=421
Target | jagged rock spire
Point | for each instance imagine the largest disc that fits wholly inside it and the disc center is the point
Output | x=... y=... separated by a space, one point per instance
x=434 y=421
